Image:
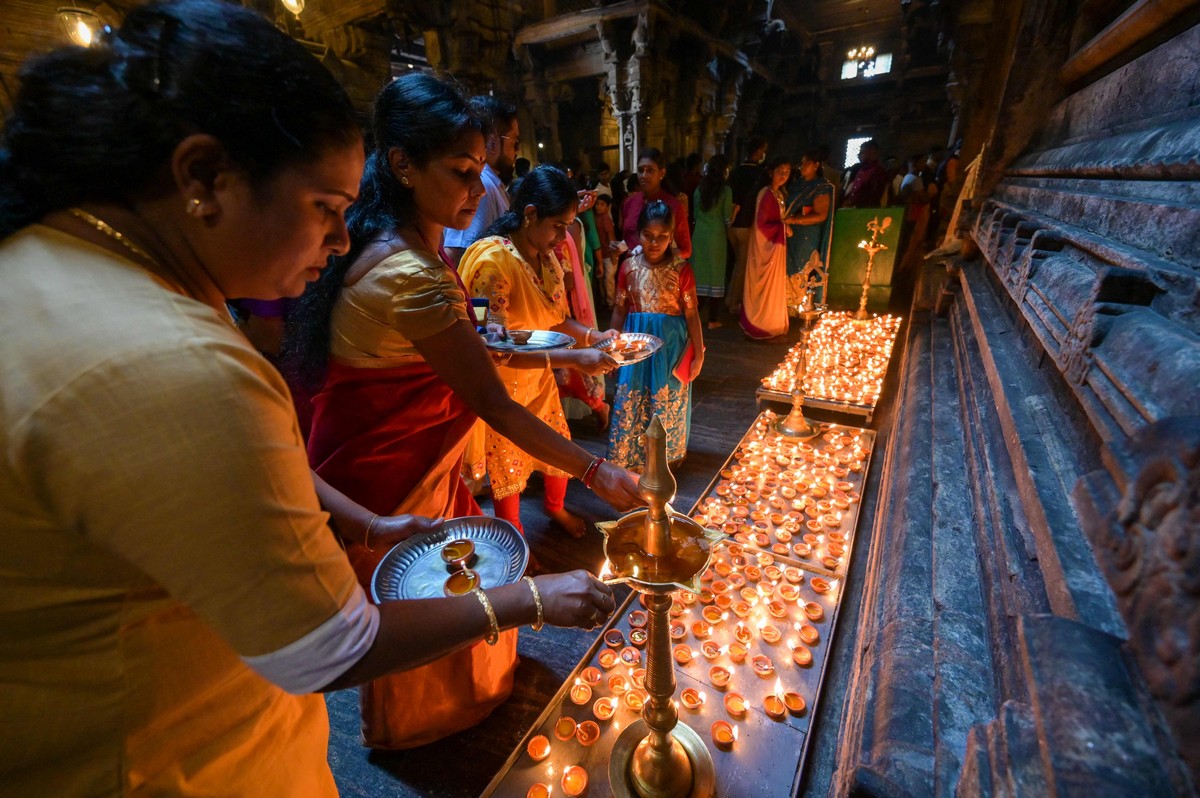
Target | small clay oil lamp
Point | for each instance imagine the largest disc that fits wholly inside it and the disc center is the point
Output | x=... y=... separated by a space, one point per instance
x=762 y=665
x=461 y=582
x=458 y=553
x=587 y=732
x=538 y=748
x=723 y=735
x=604 y=708
x=683 y=653
x=794 y=703
x=773 y=706
x=564 y=727
x=801 y=656
x=735 y=705
x=581 y=693
x=574 y=781
x=691 y=698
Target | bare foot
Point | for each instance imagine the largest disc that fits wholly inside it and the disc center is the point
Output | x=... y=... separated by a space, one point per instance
x=573 y=525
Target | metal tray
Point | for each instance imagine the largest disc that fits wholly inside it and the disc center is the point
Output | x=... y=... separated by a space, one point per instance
x=539 y=341
x=653 y=344
x=414 y=569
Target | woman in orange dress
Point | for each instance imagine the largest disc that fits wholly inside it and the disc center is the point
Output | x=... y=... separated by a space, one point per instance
x=405 y=375
x=514 y=267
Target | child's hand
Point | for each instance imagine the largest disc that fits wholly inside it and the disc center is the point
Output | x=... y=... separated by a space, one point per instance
x=697 y=364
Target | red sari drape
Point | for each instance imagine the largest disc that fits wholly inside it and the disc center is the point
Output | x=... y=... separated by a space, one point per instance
x=392 y=439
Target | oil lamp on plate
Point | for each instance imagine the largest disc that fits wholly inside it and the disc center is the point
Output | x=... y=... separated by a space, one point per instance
x=657 y=551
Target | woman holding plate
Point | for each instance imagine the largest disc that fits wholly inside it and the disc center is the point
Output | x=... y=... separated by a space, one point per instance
x=405 y=375
x=515 y=268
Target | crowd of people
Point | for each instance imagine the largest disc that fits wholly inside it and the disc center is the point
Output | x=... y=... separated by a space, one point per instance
x=191 y=526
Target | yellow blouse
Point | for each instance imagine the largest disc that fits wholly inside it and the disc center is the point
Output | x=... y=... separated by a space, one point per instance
x=522 y=298
x=157 y=523
x=405 y=297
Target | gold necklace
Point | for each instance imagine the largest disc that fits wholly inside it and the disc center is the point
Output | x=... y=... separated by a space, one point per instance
x=111 y=232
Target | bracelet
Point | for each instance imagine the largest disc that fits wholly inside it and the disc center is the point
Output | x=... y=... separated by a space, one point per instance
x=588 y=475
x=367 y=536
x=493 y=634
x=537 y=599
x=547 y=354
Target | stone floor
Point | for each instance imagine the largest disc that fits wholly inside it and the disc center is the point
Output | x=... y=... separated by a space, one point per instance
x=723 y=408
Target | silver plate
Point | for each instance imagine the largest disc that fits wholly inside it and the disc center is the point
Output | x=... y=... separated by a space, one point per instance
x=653 y=344
x=414 y=569
x=539 y=340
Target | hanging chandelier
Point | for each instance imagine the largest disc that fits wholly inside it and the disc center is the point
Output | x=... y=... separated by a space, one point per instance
x=863 y=54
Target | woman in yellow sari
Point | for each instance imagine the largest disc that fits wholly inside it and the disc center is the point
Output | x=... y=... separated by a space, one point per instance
x=515 y=268
x=404 y=376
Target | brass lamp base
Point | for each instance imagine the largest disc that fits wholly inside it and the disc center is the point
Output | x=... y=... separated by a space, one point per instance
x=795 y=425
x=702 y=774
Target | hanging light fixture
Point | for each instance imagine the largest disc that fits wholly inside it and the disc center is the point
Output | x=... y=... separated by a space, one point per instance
x=80 y=24
x=864 y=55
x=295 y=6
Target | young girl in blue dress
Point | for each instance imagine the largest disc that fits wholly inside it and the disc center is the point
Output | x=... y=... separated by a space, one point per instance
x=656 y=294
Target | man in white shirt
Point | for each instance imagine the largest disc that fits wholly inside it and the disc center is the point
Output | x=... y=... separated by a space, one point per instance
x=502 y=145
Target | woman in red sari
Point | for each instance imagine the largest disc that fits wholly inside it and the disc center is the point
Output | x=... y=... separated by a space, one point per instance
x=406 y=375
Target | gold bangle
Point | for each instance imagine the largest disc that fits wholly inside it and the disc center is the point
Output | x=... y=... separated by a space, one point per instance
x=367 y=536
x=537 y=599
x=493 y=634
x=547 y=354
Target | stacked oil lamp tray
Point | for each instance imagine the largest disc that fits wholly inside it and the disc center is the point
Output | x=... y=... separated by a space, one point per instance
x=847 y=361
x=750 y=648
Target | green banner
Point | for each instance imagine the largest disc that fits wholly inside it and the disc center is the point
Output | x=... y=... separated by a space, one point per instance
x=848 y=262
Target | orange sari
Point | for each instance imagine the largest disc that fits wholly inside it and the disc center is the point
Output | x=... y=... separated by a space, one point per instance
x=391 y=437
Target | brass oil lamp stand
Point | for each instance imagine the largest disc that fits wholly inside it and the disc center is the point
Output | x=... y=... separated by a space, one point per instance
x=795 y=425
x=657 y=551
x=873 y=247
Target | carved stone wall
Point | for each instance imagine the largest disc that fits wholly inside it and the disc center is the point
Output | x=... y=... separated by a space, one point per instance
x=1031 y=616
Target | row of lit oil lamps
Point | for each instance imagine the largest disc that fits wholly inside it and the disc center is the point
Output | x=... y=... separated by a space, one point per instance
x=846 y=361
x=775 y=491
x=775 y=597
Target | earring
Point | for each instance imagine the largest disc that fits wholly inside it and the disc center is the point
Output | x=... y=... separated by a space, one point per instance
x=193 y=207
x=404 y=181
x=527 y=220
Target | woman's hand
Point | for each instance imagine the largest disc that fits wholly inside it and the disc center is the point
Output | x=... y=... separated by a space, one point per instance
x=697 y=364
x=617 y=486
x=591 y=361
x=604 y=336
x=586 y=200
x=388 y=530
x=575 y=598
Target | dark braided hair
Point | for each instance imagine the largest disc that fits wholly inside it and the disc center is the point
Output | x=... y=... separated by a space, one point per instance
x=96 y=124
x=546 y=188
x=422 y=115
